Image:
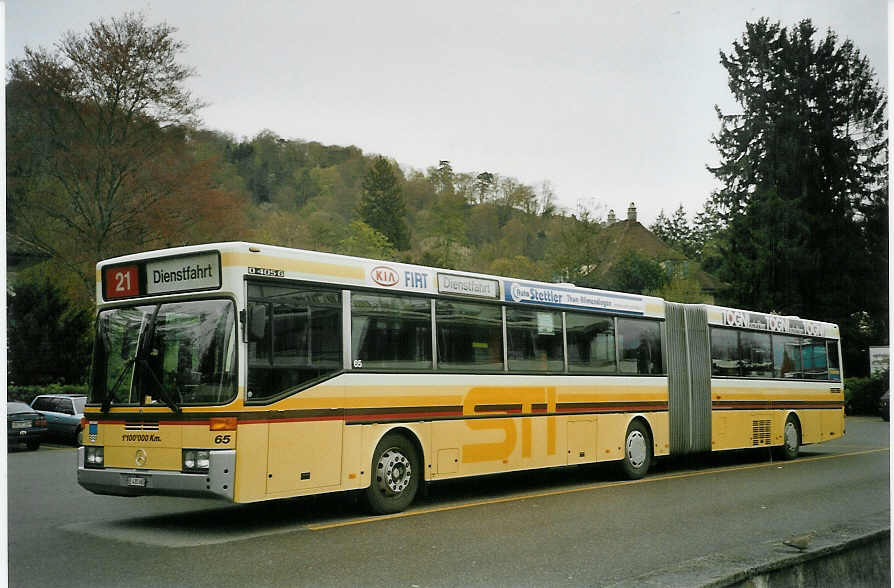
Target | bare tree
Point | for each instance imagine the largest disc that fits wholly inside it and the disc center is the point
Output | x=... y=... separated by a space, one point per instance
x=97 y=138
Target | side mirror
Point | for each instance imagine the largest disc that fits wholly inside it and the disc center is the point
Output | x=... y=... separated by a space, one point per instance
x=257 y=322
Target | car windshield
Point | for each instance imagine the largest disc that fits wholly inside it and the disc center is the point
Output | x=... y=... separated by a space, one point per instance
x=175 y=353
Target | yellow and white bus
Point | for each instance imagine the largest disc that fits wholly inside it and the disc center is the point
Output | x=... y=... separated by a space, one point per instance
x=251 y=372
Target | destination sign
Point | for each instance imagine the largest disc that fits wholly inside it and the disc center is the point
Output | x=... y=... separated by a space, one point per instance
x=526 y=292
x=468 y=286
x=162 y=276
x=179 y=274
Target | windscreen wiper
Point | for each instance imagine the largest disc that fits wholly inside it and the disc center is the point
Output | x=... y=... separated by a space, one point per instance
x=142 y=354
x=107 y=401
x=172 y=404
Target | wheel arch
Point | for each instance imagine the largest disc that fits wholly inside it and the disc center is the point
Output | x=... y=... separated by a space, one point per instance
x=642 y=419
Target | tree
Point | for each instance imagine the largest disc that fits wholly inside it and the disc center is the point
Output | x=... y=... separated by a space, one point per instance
x=484 y=186
x=99 y=163
x=382 y=205
x=577 y=248
x=675 y=231
x=442 y=177
x=803 y=169
x=365 y=241
x=637 y=274
x=48 y=337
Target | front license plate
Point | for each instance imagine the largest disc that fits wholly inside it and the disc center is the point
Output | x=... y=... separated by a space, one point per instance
x=136 y=481
x=20 y=424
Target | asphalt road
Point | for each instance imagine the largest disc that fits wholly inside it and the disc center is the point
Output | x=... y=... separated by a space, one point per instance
x=580 y=526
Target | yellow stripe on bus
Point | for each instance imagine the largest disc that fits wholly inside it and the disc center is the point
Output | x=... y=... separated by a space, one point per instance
x=232 y=259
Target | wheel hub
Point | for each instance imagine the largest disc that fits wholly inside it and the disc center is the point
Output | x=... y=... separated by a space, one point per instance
x=791 y=435
x=636 y=449
x=394 y=472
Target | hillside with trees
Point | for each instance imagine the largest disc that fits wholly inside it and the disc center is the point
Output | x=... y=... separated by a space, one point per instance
x=106 y=156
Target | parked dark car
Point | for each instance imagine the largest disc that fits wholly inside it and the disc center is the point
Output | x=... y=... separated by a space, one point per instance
x=63 y=413
x=24 y=425
x=883 y=408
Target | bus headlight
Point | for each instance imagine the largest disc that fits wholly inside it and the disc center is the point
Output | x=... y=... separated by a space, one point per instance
x=94 y=457
x=196 y=460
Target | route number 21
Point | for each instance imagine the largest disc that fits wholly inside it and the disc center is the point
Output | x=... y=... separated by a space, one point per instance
x=122 y=282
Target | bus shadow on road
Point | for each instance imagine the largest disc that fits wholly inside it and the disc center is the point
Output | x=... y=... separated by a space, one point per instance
x=223 y=524
x=727 y=459
x=239 y=522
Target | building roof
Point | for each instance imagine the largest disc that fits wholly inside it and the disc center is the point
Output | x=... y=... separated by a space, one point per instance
x=630 y=235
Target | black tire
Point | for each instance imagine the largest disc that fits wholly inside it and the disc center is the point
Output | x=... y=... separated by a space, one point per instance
x=791 y=440
x=395 y=475
x=33 y=445
x=637 y=451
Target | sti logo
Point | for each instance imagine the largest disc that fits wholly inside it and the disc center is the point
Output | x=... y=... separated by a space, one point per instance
x=384 y=275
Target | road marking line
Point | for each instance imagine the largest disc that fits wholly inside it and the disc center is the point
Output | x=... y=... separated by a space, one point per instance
x=600 y=486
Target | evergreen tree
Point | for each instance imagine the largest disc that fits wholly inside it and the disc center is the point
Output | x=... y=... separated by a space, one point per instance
x=803 y=171
x=49 y=338
x=676 y=232
x=382 y=204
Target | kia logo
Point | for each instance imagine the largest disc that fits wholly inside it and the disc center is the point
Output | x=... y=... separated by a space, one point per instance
x=383 y=275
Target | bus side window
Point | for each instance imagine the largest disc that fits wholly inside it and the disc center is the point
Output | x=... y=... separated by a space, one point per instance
x=390 y=332
x=591 y=343
x=787 y=357
x=725 y=354
x=640 y=346
x=535 y=340
x=813 y=354
x=834 y=366
x=756 y=354
x=294 y=337
x=470 y=335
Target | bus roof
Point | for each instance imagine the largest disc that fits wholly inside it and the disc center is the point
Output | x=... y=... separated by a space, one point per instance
x=237 y=259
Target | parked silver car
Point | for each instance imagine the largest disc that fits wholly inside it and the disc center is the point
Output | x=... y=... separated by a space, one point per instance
x=63 y=413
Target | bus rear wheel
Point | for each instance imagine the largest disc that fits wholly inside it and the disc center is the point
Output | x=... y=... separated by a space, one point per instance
x=637 y=451
x=395 y=475
x=791 y=435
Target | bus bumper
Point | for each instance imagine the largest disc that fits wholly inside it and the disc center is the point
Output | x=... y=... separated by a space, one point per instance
x=217 y=483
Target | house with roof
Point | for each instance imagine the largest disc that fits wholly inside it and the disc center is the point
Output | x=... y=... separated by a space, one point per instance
x=628 y=234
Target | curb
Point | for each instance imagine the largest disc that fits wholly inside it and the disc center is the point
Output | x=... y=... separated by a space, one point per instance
x=770 y=563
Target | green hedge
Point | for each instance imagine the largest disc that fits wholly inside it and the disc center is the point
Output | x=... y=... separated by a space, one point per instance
x=27 y=393
x=861 y=395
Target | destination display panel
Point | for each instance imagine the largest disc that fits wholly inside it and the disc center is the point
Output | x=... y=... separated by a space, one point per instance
x=169 y=275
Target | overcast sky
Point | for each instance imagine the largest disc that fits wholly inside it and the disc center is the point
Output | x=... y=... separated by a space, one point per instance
x=611 y=102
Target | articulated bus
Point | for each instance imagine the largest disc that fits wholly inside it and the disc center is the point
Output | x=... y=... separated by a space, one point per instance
x=250 y=372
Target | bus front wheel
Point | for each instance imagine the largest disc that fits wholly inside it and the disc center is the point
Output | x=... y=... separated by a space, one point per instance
x=395 y=475
x=637 y=451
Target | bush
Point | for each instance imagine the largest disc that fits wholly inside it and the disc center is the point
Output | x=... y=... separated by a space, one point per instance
x=861 y=395
x=27 y=393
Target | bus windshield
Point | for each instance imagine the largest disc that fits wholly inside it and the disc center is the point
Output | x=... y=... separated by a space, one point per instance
x=173 y=353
